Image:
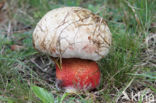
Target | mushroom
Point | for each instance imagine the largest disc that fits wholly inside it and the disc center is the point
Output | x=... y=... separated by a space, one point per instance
x=75 y=38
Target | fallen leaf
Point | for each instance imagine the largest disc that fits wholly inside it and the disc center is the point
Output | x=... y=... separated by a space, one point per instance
x=3 y=16
x=1 y=4
x=16 y=47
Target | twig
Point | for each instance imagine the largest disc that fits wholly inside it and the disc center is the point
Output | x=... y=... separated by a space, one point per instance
x=32 y=60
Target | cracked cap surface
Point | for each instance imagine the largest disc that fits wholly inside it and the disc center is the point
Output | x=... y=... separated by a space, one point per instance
x=72 y=32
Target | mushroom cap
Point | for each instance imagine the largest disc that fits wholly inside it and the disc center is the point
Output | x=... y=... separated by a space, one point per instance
x=72 y=32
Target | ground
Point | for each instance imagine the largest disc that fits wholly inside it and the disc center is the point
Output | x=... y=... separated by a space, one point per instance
x=128 y=71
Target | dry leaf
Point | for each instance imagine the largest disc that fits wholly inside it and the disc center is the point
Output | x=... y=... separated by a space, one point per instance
x=1 y=4
x=16 y=47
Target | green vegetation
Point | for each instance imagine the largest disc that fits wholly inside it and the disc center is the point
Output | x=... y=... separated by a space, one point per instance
x=130 y=63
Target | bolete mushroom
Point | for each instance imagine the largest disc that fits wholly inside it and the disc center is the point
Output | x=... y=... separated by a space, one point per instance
x=75 y=38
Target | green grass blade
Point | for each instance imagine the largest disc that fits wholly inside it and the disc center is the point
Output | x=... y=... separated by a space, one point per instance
x=43 y=94
x=63 y=97
x=4 y=99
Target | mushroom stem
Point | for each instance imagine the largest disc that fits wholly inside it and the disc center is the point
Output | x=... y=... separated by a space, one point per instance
x=78 y=74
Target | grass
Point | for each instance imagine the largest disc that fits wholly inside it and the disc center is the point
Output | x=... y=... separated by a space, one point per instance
x=128 y=64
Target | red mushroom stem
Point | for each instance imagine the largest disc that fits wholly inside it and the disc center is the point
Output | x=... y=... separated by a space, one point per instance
x=78 y=74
